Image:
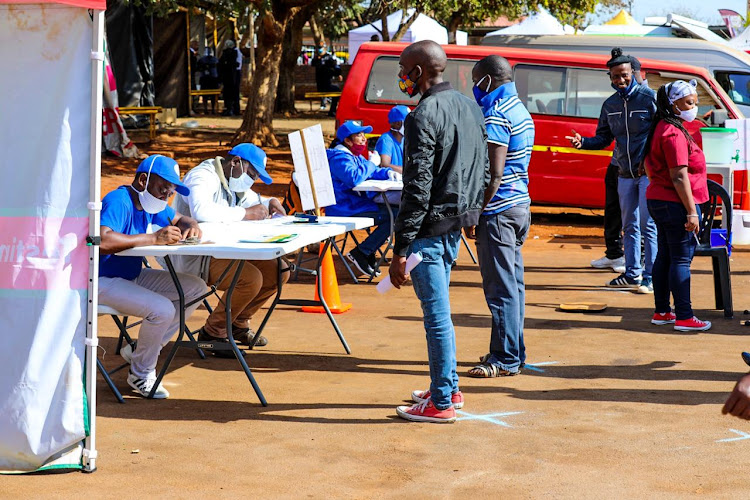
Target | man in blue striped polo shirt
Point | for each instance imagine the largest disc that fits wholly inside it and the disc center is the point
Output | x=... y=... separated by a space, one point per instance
x=505 y=219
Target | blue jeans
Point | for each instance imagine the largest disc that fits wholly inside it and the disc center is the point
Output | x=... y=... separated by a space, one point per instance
x=431 y=279
x=672 y=265
x=499 y=241
x=381 y=233
x=636 y=223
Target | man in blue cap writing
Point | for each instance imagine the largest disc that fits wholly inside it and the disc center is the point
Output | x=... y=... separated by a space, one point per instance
x=221 y=191
x=134 y=216
x=390 y=146
x=349 y=168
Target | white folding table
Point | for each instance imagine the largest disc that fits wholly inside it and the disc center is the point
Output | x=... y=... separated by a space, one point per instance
x=224 y=241
x=382 y=187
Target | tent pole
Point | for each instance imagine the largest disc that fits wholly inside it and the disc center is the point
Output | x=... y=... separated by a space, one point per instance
x=94 y=206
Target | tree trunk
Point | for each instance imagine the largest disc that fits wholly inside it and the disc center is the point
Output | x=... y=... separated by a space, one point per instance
x=385 y=33
x=292 y=49
x=453 y=24
x=317 y=32
x=247 y=47
x=405 y=25
x=257 y=121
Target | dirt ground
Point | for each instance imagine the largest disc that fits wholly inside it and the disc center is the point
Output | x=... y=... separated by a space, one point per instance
x=610 y=407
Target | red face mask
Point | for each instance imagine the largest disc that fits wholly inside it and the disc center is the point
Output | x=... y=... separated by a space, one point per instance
x=358 y=149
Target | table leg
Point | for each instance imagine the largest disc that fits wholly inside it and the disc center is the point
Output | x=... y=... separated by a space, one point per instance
x=389 y=246
x=319 y=284
x=279 y=284
x=230 y=336
x=181 y=330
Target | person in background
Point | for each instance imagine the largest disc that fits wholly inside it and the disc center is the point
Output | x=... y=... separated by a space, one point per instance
x=506 y=216
x=209 y=78
x=221 y=191
x=677 y=169
x=229 y=70
x=134 y=216
x=442 y=194
x=327 y=69
x=636 y=65
x=626 y=118
x=349 y=168
x=390 y=146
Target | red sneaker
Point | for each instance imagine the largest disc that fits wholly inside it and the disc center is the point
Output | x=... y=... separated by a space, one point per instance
x=667 y=318
x=457 y=399
x=691 y=325
x=426 y=412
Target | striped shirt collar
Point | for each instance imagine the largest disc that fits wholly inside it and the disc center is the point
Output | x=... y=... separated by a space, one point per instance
x=503 y=91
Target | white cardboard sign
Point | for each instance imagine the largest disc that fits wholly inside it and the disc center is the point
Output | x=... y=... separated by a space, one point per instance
x=316 y=152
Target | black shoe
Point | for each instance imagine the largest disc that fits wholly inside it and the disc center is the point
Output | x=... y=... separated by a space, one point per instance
x=746 y=358
x=204 y=336
x=359 y=260
x=373 y=261
x=246 y=335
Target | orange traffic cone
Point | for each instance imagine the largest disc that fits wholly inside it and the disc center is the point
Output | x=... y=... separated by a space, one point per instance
x=330 y=289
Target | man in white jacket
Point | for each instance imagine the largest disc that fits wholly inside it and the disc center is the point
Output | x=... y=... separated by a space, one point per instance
x=220 y=191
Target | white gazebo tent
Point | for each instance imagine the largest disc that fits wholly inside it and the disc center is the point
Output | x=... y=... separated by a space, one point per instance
x=50 y=138
x=538 y=23
x=423 y=28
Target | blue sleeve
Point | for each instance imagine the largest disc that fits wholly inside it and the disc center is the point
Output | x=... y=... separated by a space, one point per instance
x=351 y=171
x=498 y=128
x=385 y=145
x=603 y=137
x=116 y=211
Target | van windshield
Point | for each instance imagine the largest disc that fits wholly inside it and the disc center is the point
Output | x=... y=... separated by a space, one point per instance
x=736 y=85
x=382 y=86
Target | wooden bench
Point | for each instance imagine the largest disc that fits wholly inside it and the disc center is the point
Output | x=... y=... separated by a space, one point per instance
x=152 y=111
x=311 y=96
x=216 y=92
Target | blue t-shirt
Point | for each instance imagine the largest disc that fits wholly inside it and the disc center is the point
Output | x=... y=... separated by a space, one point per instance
x=509 y=124
x=119 y=214
x=388 y=145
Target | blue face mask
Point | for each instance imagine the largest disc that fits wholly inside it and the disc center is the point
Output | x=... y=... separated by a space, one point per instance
x=624 y=92
x=479 y=92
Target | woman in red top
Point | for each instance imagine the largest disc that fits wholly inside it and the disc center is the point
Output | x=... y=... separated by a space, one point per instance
x=677 y=172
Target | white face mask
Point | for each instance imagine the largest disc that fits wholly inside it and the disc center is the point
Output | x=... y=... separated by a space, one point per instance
x=688 y=115
x=150 y=203
x=242 y=183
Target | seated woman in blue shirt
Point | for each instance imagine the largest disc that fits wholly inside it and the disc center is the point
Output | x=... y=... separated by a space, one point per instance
x=390 y=146
x=349 y=168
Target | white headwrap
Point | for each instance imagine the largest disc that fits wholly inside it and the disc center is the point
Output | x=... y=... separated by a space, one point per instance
x=679 y=89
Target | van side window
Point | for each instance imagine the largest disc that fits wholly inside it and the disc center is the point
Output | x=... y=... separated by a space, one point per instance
x=562 y=91
x=382 y=85
x=706 y=100
x=736 y=85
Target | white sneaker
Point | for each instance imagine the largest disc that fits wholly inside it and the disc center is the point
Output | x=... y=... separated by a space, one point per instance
x=617 y=265
x=144 y=385
x=126 y=352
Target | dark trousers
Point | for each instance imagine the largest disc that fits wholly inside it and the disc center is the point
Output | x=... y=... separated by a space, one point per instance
x=499 y=241
x=676 y=248
x=612 y=215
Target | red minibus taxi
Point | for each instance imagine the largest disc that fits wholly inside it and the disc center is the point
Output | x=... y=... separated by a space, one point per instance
x=561 y=90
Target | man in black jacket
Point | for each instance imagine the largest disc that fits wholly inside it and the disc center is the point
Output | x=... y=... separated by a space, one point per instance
x=446 y=170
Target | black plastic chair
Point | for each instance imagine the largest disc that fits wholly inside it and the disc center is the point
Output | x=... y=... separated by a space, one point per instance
x=718 y=196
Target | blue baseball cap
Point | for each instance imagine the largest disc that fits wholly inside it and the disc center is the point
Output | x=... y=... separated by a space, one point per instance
x=350 y=128
x=398 y=113
x=256 y=156
x=166 y=168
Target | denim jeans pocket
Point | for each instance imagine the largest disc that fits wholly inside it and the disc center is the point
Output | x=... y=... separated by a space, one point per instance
x=431 y=248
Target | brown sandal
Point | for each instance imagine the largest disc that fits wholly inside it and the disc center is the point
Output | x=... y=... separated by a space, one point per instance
x=486 y=369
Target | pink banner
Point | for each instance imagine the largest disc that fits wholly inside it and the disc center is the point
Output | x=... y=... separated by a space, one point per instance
x=43 y=253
